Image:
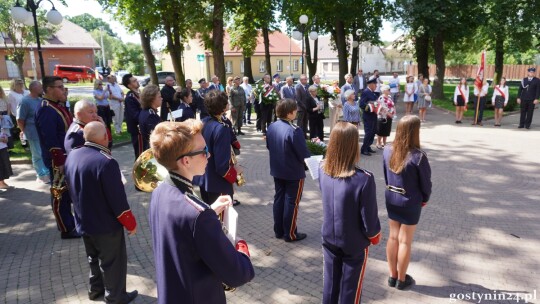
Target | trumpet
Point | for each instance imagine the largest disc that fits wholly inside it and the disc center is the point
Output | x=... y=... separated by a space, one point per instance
x=240 y=180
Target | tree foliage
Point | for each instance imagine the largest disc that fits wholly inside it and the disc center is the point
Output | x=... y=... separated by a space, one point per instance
x=90 y=23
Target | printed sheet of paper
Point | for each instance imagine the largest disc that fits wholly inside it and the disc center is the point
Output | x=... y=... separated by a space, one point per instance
x=175 y=114
x=230 y=223
x=313 y=165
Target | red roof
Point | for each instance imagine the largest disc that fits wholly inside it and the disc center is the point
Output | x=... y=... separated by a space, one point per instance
x=280 y=45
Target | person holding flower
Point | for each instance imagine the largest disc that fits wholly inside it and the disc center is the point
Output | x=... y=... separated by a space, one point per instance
x=385 y=113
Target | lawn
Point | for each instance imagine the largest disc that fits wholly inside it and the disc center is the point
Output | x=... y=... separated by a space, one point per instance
x=5 y=84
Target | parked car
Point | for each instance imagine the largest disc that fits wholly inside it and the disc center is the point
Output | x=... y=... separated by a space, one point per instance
x=161 y=78
x=120 y=74
x=74 y=73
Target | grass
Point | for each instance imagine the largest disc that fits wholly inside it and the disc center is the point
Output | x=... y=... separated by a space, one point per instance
x=5 y=84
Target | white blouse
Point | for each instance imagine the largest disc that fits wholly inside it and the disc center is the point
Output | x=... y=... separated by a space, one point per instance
x=465 y=90
x=497 y=93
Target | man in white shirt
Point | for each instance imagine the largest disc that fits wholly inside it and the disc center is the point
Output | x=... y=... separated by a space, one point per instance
x=116 y=102
x=249 y=99
x=394 y=87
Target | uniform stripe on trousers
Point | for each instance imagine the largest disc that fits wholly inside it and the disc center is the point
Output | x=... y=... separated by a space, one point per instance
x=57 y=215
x=292 y=236
x=361 y=278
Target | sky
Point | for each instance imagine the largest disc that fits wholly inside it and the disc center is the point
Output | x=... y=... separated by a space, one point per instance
x=78 y=7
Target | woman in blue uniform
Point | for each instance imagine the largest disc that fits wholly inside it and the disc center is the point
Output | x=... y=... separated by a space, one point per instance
x=193 y=257
x=149 y=116
x=185 y=98
x=408 y=186
x=350 y=221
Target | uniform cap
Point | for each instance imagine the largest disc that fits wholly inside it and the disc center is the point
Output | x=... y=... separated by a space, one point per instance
x=372 y=79
x=532 y=70
x=202 y=80
x=276 y=76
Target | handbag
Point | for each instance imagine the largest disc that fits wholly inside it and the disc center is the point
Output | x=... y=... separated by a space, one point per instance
x=427 y=98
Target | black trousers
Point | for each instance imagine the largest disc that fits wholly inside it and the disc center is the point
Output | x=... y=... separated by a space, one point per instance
x=316 y=127
x=370 y=127
x=105 y=113
x=137 y=143
x=62 y=208
x=480 y=108
x=107 y=258
x=266 y=116
x=259 y=118
x=302 y=121
x=286 y=201
x=527 y=111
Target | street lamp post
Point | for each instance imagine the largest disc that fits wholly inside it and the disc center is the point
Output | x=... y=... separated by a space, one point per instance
x=22 y=15
x=299 y=33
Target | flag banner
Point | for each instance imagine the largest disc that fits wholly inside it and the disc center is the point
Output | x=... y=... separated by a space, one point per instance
x=480 y=75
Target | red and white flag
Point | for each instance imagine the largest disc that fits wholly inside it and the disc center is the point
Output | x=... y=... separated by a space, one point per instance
x=480 y=75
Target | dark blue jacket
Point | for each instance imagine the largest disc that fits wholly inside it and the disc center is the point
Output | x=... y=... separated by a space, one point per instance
x=132 y=110
x=74 y=136
x=192 y=254
x=218 y=139
x=96 y=189
x=287 y=148
x=415 y=179
x=288 y=92
x=301 y=97
x=148 y=120
x=187 y=112
x=350 y=217
x=52 y=122
x=367 y=97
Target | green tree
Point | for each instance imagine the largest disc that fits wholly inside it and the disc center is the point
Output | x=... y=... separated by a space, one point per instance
x=91 y=23
x=243 y=35
x=127 y=57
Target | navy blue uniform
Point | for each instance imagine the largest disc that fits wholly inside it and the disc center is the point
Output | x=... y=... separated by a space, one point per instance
x=52 y=122
x=198 y=103
x=132 y=111
x=148 y=120
x=220 y=173
x=287 y=148
x=350 y=222
x=167 y=93
x=405 y=192
x=101 y=212
x=370 y=119
x=74 y=136
x=187 y=112
x=529 y=90
x=193 y=257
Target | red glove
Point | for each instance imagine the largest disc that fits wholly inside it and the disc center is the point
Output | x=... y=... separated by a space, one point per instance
x=127 y=220
x=236 y=144
x=242 y=246
x=376 y=239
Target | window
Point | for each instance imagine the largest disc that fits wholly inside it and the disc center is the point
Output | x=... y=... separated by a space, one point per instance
x=280 y=65
x=295 y=65
x=242 y=66
x=335 y=66
x=12 y=69
x=325 y=66
x=262 y=66
x=228 y=67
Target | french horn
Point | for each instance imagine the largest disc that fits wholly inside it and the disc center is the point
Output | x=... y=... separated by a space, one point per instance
x=147 y=172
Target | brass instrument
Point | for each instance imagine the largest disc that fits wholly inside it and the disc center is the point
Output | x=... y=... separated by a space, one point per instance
x=58 y=185
x=147 y=172
x=240 y=180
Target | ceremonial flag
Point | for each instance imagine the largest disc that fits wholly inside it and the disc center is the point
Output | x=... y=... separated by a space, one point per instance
x=480 y=75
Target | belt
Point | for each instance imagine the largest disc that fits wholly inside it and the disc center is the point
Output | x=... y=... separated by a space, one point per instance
x=396 y=189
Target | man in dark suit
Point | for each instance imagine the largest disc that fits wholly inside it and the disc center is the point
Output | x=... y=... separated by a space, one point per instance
x=369 y=116
x=528 y=95
x=101 y=214
x=277 y=83
x=288 y=91
x=302 y=97
x=167 y=93
x=360 y=82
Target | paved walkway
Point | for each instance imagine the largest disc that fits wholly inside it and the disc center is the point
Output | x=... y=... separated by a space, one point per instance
x=479 y=233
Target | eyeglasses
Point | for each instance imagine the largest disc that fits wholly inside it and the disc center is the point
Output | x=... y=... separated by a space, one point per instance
x=203 y=151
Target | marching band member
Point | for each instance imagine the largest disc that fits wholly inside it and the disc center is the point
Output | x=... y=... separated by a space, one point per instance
x=149 y=117
x=369 y=116
x=185 y=99
x=193 y=257
x=85 y=112
x=132 y=109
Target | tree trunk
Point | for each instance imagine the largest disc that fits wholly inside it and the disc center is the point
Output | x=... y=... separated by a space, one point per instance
x=21 y=72
x=147 y=50
x=175 y=51
x=179 y=50
x=438 y=52
x=267 y=63
x=217 y=40
x=248 y=72
x=341 y=44
x=422 y=53
x=499 y=59
x=311 y=63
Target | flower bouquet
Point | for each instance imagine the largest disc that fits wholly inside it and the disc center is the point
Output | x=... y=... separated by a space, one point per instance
x=266 y=93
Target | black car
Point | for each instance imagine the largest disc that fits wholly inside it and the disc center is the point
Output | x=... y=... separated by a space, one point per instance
x=161 y=78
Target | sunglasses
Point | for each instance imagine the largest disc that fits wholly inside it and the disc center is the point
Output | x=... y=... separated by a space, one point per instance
x=203 y=151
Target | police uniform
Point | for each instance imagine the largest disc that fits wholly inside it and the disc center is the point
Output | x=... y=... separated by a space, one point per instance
x=350 y=225
x=198 y=102
x=101 y=212
x=220 y=174
x=148 y=120
x=52 y=122
x=132 y=111
x=529 y=90
x=369 y=116
x=287 y=148
x=405 y=192
x=192 y=255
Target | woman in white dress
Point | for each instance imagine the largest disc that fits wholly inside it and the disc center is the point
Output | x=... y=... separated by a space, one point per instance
x=408 y=96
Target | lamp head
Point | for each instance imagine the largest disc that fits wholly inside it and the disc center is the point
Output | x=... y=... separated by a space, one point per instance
x=54 y=17
x=313 y=35
x=303 y=19
x=18 y=13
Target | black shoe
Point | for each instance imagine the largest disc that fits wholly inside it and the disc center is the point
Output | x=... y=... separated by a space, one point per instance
x=132 y=295
x=457 y=121
x=520 y=127
x=92 y=295
x=73 y=234
x=299 y=237
x=371 y=151
x=392 y=282
x=405 y=284
x=241 y=133
x=278 y=236
x=236 y=203
x=366 y=153
x=527 y=128
x=249 y=123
